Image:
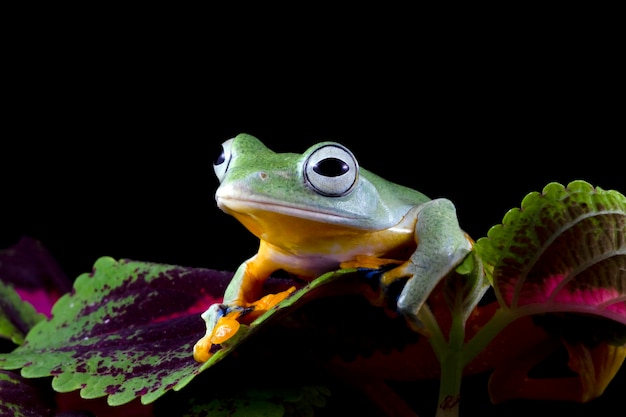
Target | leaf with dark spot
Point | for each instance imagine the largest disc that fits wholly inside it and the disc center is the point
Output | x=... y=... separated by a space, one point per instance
x=561 y=258
x=126 y=330
x=564 y=250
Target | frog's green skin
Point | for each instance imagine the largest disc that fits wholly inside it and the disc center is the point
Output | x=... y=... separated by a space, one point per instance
x=319 y=211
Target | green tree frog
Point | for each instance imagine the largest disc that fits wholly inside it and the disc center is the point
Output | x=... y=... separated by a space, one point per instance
x=318 y=212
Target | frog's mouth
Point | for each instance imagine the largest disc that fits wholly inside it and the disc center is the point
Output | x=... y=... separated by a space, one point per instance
x=297 y=230
x=272 y=209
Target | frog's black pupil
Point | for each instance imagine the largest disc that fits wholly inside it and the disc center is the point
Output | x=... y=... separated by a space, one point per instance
x=220 y=159
x=331 y=167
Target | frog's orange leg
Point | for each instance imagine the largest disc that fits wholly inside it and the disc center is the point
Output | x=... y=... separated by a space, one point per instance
x=225 y=328
x=270 y=300
x=228 y=325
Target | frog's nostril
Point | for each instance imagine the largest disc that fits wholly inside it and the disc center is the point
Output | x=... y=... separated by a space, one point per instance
x=263 y=175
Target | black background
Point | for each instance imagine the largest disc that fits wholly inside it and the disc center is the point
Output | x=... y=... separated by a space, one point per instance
x=110 y=126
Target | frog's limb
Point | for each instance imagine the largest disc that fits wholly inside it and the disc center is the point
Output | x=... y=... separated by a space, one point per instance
x=202 y=348
x=239 y=298
x=441 y=246
x=246 y=284
x=222 y=324
x=215 y=325
x=270 y=300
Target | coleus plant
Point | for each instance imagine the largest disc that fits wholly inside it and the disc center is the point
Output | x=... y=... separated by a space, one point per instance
x=550 y=279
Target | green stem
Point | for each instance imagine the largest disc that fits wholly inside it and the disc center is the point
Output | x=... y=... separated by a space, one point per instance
x=457 y=354
x=436 y=339
x=502 y=318
x=450 y=385
x=452 y=365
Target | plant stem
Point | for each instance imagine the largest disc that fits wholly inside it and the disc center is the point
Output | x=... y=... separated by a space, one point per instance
x=452 y=365
x=450 y=384
x=501 y=318
x=436 y=339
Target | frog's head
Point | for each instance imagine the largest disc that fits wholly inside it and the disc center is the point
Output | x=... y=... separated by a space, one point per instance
x=323 y=188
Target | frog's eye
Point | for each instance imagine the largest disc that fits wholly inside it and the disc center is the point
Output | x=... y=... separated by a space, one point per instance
x=331 y=170
x=221 y=163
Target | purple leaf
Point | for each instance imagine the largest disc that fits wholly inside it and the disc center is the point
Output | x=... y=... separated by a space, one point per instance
x=126 y=330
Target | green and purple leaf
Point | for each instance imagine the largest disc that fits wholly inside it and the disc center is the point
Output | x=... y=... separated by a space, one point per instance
x=20 y=397
x=128 y=328
x=17 y=317
x=564 y=250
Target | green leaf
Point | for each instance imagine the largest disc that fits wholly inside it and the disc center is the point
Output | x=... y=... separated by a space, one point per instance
x=17 y=317
x=564 y=250
x=126 y=330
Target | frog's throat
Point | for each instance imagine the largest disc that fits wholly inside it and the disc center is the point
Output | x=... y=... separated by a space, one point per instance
x=301 y=238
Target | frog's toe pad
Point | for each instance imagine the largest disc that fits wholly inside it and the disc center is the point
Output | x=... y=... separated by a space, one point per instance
x=202 y=349
x=225 y=328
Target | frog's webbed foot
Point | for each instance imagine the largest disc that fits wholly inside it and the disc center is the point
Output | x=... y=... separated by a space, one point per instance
x=221 y=325
x=441 y=246
x=222 y=321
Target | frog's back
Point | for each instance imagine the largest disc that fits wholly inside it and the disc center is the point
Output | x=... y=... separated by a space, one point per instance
x=390 y=191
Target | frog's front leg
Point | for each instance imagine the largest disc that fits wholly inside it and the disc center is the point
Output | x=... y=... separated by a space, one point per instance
x=441 y=246
x=240 y=297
